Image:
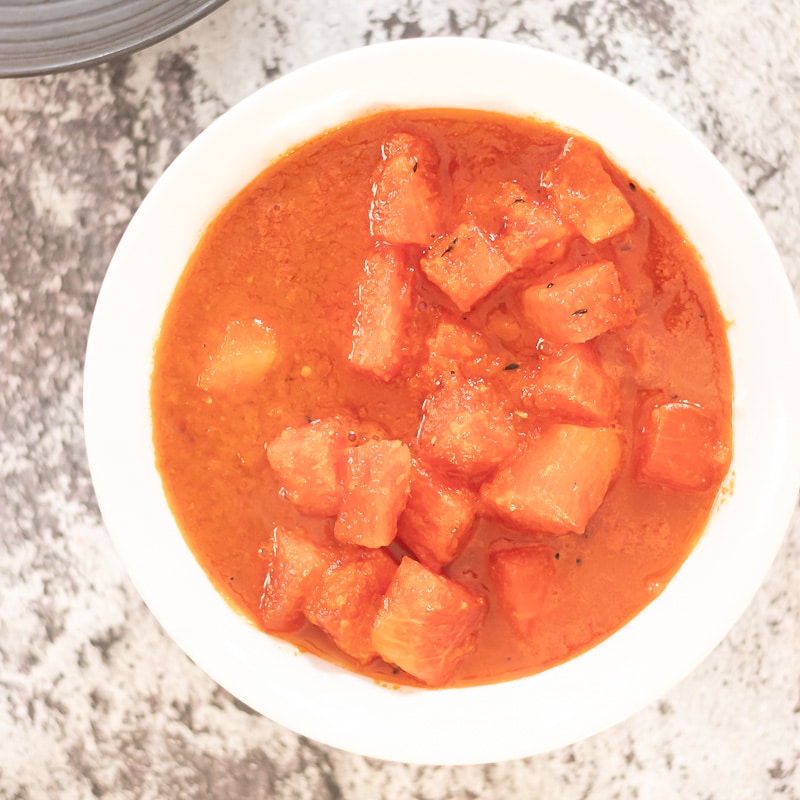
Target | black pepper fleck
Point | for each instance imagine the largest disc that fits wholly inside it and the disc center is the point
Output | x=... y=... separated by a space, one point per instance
x=450 y=246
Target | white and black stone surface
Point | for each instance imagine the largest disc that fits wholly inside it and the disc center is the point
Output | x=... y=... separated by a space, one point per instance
x=95 y=700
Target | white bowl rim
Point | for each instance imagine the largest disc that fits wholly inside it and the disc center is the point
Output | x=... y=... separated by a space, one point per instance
x=664 y=642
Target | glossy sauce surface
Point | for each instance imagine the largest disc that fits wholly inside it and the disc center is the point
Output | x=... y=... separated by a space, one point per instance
x=289 y=250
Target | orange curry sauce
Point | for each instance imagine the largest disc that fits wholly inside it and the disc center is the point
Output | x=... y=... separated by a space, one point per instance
x=289 y=251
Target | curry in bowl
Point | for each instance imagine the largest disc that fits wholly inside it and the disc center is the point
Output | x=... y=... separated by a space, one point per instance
x=442 y=396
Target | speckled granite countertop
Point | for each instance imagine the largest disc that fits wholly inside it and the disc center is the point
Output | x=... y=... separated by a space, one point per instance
x=95 y=701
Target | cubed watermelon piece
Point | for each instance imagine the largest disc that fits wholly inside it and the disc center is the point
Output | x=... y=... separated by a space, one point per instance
x=679 y=445
x=407 y=205
x=524 y=579
x=438 y=518
x=467 y=427
x=584 y=193
x=428 y=623
x=456 y=348
x=465 y=265
x=532 y=231
x=578 y=305
x=309 y=460
x=383 y=310
x=375 y=485
x=571 y=386
x=347 y=598
x=295 y=564
x=557 y=482
x=247 y=352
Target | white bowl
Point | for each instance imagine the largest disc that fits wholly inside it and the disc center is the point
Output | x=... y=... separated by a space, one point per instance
x=659 y=646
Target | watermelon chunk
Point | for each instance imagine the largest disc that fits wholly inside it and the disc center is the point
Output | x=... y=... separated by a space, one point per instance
x=347 y=598
x=384 y=306
x=375 y=486
x=438 y=518
x=578 y=305
x=456 y=348
x=428 y=623
x=524 y=580
x=407 y=205
x=295 y=565
x=309 y=460
x=533 y=231
x=465 y=265
x=584 y=193
x=557 y=482
x=247 y=352
x=571 y=386
x=467 y=427
x=679 y=446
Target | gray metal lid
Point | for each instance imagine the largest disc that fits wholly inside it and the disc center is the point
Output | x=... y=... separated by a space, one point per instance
x=38 y=36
